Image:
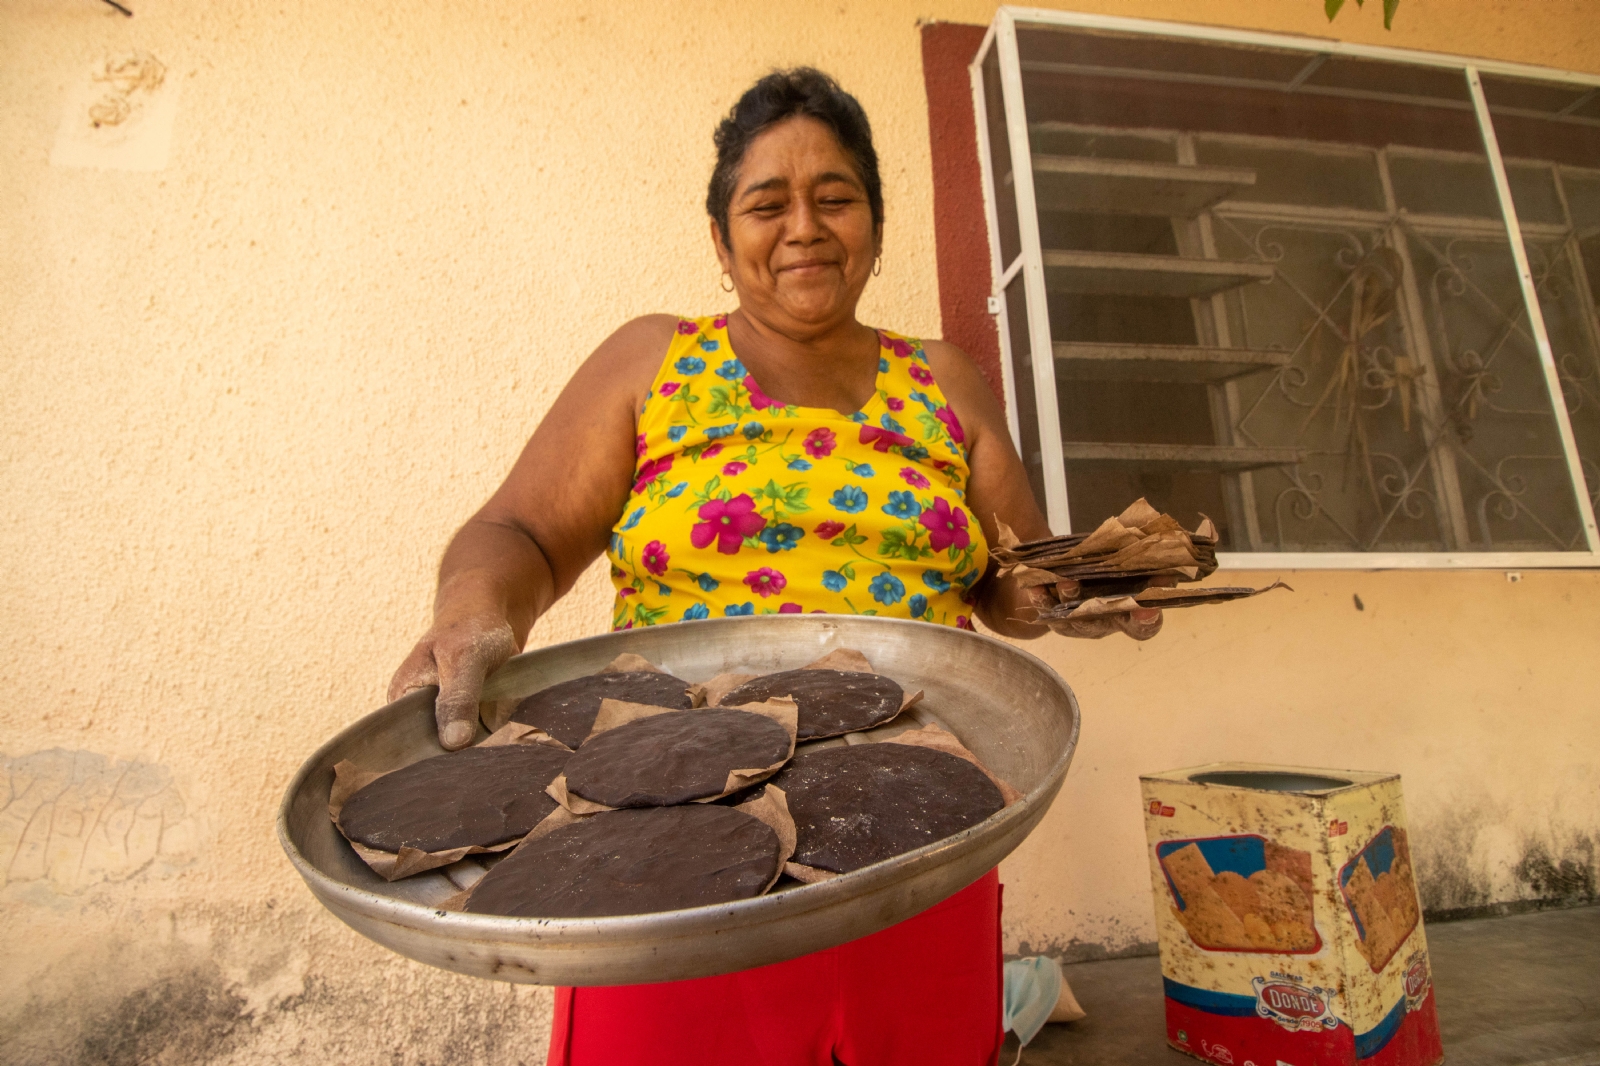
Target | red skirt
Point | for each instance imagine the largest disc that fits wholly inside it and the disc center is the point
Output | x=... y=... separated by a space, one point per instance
x=925 y=992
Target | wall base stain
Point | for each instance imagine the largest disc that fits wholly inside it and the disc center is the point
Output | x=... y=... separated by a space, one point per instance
x=188 y=1018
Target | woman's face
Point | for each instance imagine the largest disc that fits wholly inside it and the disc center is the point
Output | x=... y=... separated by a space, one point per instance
x=800 y=228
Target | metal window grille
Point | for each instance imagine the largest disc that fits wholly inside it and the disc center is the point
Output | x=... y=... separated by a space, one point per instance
x=1295 y=284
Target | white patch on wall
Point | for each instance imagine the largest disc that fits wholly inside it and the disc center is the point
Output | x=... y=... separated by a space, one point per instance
x=75 y=819
x=119 y=117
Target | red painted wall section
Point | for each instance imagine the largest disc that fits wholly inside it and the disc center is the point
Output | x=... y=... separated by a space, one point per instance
x=961 y=234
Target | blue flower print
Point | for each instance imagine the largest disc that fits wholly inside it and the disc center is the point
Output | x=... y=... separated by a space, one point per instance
x=798 y=463
x=849 y=499
x=887 y=422
x=922 y=398
x=862 y=470
x=883 y=365
x=754 y=430
x=689 y=365
x=709 y=345
x=781 y=537
x=902 y=505
x=633 y=519
x=616 y=544
x=708 y=583
x=663 y=589
x=934 y=579
x=918 y=605
x=718 y=432
x=968 y=578
x=887 y=589
x=675 y=433
x=859 y=416
x=734 y=610
x=914 y=452
x=834 y=581
x=677 y=490
x=696 y=612
x=731 y=370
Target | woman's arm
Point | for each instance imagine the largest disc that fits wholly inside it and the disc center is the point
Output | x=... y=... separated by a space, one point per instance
x=540 y=530
x=999 y=490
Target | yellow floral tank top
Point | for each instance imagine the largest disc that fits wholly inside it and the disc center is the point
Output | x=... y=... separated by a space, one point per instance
x=745 y=505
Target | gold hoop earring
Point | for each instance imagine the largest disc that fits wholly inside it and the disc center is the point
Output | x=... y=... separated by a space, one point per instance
x=725 y=283
x=877 y=266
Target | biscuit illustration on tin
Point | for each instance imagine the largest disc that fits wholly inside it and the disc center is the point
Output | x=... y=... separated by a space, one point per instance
x=1259 y=901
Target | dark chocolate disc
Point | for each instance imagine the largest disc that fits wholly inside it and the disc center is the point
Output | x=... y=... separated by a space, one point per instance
x=832 y=702
x=633 y=862
x=566 y=711
x=676 y=757
x=473 y=797
x=859 y=805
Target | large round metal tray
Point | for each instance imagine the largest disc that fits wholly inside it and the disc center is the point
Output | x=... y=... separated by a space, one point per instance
x=1009 y=708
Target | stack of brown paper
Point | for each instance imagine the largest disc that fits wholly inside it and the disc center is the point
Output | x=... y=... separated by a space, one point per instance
x=1133 y=560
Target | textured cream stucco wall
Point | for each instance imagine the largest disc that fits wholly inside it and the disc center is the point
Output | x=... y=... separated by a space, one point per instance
x=245 y=399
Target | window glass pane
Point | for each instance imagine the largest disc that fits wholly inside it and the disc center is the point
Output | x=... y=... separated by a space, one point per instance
x=1299 y=175
x=1005 y=191
x=1442 y=185
x=1278 y=295
x=1565 y=256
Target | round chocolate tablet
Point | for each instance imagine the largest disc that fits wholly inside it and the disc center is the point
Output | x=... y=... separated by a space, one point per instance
x=633 y=862
x=832 y=702
x=676 y=757
x=474 y=797
x=566 y=710
x=859 y=805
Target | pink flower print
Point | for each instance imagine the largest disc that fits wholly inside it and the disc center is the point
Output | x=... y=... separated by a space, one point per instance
x=669 y=387
x=914 y=479
x=687 y=328
x=820 y=443
x=758 y=399
x=655 y=557
x=945 y=525
x=629 y=591
x=963 y=622
x=728 y=522
x=766 y=581
x=791 y=608
x=730 y=469
x=829 y=530
x=883 y=439
x=715 y=449
x=894 y=344
x=649 y=472
x=920 y=375
x=720 y=322
x=895 y=403
x=639 y=447
x=951 y=423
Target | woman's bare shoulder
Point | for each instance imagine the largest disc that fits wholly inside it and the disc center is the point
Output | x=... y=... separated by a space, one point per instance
x=962 y=383
x=626 y=362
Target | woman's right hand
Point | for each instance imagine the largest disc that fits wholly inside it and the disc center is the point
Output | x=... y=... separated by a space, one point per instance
x=459 y=650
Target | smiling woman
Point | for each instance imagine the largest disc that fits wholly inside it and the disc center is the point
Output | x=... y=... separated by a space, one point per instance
x=780 y=458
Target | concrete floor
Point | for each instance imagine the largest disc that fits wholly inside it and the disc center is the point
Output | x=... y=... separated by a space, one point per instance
x=1518 y=991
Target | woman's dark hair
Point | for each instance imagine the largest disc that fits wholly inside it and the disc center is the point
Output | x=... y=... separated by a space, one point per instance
x=785 y=94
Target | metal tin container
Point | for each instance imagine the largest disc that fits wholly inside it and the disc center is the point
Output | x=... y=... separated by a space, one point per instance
x=1010 y=709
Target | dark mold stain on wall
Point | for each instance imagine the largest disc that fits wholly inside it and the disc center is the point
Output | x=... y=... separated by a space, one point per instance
x=1567 y=879
x=190 y=1017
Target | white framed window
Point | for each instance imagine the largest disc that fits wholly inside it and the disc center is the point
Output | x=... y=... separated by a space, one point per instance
x=1340 y=298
